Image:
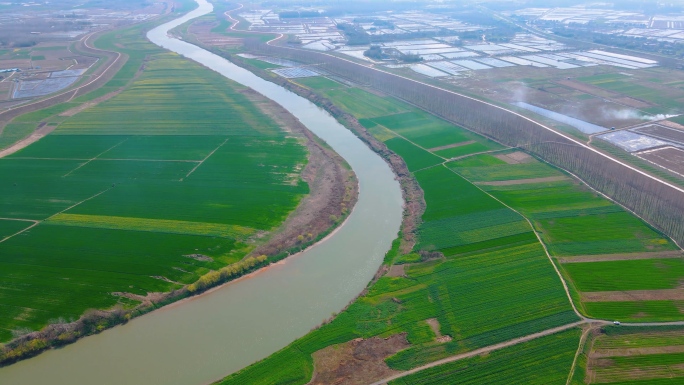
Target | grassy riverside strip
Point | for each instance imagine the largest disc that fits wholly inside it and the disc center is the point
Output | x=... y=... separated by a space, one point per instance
x=141 y=200
x=457 y=241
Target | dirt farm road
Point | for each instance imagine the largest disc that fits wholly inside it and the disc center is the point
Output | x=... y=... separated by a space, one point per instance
x=517 y=341
x=484 y=350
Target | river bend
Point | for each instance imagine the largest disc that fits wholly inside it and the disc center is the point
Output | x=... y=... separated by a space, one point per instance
x=197 y=341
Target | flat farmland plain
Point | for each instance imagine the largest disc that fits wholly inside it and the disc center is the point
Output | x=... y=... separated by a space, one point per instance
x=10 y=227
x=573 y=220
x=663 y=97
x=142 y=193
x=478 y=274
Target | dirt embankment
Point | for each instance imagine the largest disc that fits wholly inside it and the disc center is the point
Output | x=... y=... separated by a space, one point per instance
x=356 y=362
x=622 y=257
x=333 y=188
x=633 y=295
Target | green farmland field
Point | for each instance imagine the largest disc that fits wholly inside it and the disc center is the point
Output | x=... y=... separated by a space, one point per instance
x=636 y=311
x=9 y=227
x=426 y=130
x=637 y=356
x=320 y=83
x=180 y=163
x=55 y=271
x=666 y=98
x=491 y=281
x=359 y=103
x=169 y=88
x=487 y=168
x=416 y=157
x=573 y=220
x=543 y=361
x=639 y=274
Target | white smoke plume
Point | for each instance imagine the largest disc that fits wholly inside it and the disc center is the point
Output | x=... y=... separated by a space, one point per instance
x=519 y=93
x=626 y=114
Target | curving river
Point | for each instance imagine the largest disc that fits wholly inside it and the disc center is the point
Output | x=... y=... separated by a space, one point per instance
x=197 y=341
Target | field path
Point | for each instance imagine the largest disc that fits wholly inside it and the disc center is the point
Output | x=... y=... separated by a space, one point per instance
x=96 y=156
x=480 y=351
x=512 y=182
x=36 y=223
x=647 y=324
x=34 y=137
x=621 y=257
x=19 y=232
x=18 y=220
x=204 y=160
x=582 y=341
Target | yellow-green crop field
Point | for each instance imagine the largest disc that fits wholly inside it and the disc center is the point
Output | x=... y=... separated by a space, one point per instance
x=152 y=225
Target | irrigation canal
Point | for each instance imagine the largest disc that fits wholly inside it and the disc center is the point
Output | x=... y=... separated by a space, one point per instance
x=197 y=341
